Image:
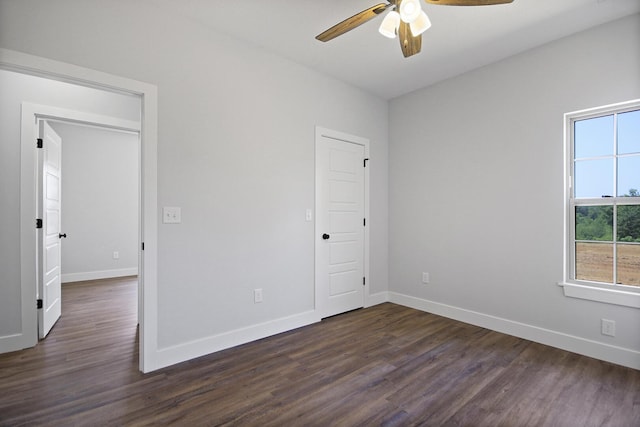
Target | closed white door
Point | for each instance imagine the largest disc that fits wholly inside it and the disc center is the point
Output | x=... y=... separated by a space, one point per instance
x=340 y=193
x=49 y=238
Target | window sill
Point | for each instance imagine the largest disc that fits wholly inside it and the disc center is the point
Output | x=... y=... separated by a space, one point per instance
x=609 y=296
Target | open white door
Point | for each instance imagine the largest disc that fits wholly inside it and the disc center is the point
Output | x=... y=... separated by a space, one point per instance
x=340 y=224
x=49 y=237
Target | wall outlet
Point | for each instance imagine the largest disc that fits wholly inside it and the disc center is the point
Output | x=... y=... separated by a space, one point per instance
x=171 y=215
x=257 y=295
x=425 y=277
x=608 y=327
x=116 y=255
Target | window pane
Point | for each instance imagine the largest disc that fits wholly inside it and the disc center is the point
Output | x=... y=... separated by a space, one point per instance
x=594 y=262
x=594 y=223
x=628 y=223
x=593 y=178
x=628 y=264
x=628 y=176
x=629 y=132
x=593 y=137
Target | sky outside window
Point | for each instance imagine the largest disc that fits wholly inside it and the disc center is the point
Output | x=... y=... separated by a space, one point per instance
x=594 y=154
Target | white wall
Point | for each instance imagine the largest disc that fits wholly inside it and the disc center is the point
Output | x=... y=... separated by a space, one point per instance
x=476 y=190
x=15 y=89
x=235 y=151
x=99 y=202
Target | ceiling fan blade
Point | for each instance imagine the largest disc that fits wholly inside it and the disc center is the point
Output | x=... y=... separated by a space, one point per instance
x=410 y=45
x=353 y=22
x=468 y=2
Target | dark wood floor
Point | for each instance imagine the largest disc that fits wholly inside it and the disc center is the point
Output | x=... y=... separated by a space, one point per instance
x=387 y=365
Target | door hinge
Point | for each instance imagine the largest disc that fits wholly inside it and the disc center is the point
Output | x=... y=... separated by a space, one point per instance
x=39 y=303
x=39 y=143
x=364 y=222
x=143 y=246
x=365 y=162
x=363 y=281
x=38 y=223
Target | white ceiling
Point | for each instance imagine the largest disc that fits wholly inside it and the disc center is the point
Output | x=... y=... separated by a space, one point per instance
x=460 y=39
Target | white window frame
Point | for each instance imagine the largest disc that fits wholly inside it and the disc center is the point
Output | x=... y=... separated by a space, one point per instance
x=628 y=296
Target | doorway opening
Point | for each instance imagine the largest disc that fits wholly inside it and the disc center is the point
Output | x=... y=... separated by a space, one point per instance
x=89 y=209
x=21 y=331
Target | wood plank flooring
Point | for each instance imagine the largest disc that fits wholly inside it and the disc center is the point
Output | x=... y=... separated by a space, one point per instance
x=387 y=365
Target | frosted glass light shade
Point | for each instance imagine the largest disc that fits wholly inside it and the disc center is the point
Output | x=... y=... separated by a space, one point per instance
x=410 y=10
x=390 y=24
x=420 y=25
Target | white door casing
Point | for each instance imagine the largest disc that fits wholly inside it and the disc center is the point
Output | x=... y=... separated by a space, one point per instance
x=341 y=260
x=49 y=236
x=148 y=127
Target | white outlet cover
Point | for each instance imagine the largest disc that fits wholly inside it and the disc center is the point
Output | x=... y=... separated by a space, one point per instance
x=171 y=215
x=608 y=327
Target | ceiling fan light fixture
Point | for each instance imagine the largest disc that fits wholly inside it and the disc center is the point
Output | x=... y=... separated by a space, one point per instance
x=390 y=24
x=421 y=24
x=410 y=10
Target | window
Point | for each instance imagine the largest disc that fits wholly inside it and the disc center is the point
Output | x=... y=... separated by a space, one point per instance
x=603 y=192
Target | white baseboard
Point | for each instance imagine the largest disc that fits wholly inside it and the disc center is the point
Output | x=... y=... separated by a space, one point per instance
x=183 y=352
x=187 y=351
x=597 y=350
x=190 y=350
x=95 y=275
x=14 y=342
x=375 y=299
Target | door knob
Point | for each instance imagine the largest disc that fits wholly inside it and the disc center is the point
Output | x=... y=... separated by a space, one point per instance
x=325 y=236
x=62 y=235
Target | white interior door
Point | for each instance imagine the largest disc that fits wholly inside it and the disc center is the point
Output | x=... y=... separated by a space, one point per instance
x=49 y=238
x=340 y=191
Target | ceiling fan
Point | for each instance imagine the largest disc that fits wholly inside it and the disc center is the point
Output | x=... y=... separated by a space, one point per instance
x=407 y=20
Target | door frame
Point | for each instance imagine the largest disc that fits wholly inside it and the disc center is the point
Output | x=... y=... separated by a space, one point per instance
x=345 y=137
x=34 y=113
x=148 y=207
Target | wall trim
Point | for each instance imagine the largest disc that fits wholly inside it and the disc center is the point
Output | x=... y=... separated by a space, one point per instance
x=183 y=352
x=595 y=293
x=101 y=274
x=377 y=298
x=609 y=353
x=148 y=228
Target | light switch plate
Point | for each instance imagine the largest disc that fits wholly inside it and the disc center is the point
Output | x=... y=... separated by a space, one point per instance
x=171 y=215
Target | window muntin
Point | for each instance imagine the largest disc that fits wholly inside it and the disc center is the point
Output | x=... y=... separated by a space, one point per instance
x=604 y=241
